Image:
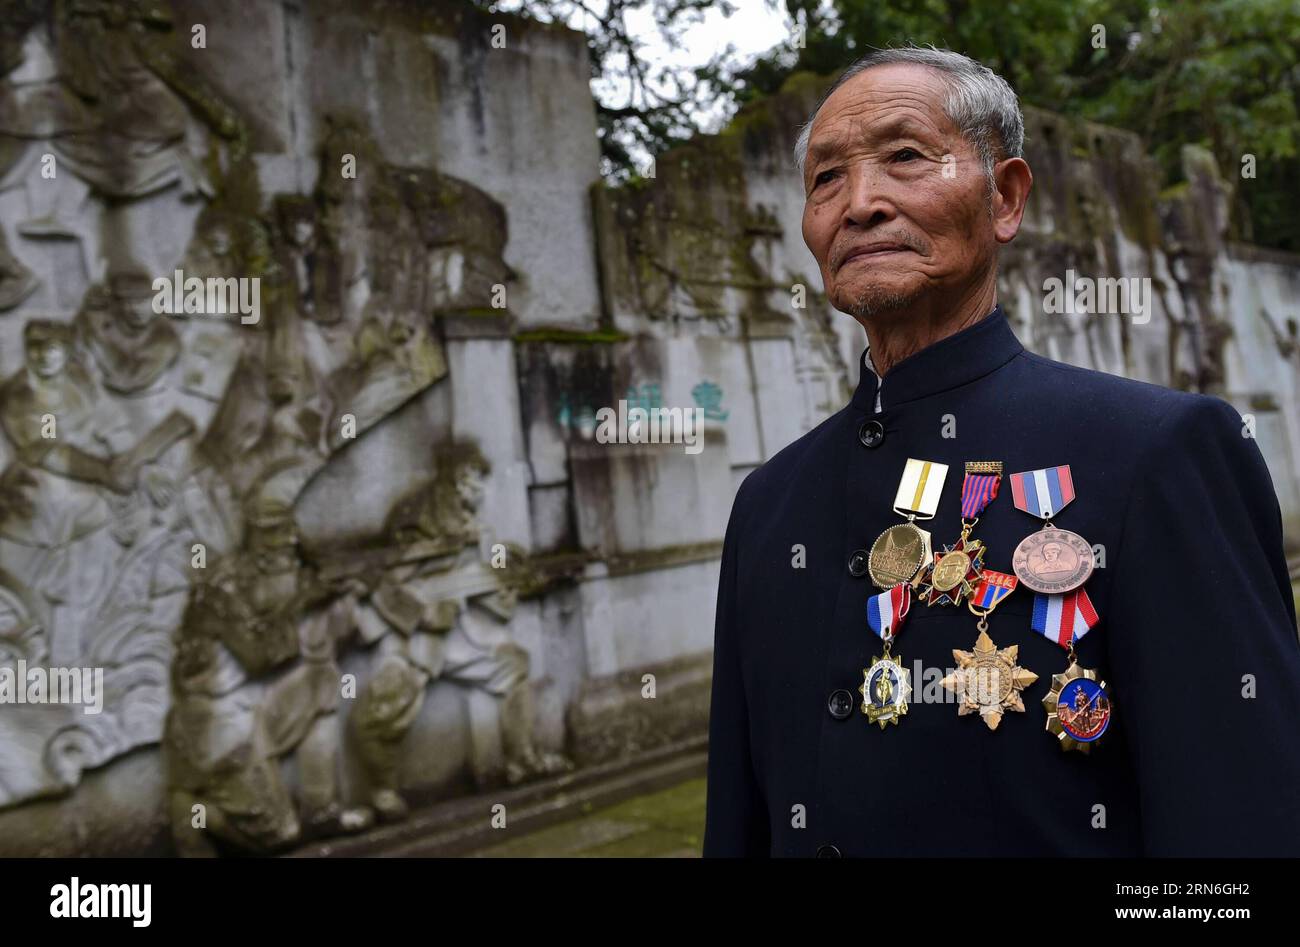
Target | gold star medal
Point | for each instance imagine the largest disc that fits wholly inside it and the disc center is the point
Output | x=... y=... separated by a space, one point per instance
x=900 y=551
x=1078 y=705
x=1078 y=708
x=987 y=680
x=953 y=573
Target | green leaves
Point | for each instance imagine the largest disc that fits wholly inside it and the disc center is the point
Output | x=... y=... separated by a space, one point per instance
x=1221 y=73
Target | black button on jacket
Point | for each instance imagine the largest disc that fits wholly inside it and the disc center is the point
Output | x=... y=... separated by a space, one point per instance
x=1196 y=639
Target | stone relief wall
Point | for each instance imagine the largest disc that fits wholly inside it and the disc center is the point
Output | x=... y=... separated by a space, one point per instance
x=363 y=551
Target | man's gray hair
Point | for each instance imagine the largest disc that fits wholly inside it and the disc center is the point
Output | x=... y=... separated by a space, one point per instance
x=979 y=103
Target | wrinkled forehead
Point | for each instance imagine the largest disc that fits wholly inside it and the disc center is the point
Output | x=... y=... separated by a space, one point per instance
x=880 y=104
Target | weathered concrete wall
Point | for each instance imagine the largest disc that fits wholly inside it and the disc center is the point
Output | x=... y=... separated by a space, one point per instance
x=368 y=546
x=714 y=244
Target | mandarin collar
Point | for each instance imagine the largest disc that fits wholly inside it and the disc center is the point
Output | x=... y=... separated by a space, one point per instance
x=960 y=358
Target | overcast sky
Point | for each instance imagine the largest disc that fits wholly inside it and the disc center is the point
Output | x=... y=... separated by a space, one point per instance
x=755 y=27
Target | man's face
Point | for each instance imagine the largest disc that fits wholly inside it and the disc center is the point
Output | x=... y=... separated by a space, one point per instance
x=137 y=311
x=220 y=240
x=46 y=357
x=302 y=231
x=884 y=221
x=274 y=558
x=469 y=485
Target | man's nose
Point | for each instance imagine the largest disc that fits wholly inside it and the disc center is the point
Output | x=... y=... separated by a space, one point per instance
x=871 y=197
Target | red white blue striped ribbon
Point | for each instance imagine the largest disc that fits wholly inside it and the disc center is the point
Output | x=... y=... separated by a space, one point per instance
x=1043 y=493
x=1064 y=618
x=886 y=611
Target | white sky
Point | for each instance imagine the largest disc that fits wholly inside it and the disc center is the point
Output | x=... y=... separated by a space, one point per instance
x=755 y=27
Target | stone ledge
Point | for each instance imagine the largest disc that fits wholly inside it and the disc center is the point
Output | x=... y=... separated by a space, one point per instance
x=664 y=557
x=609 y=719
x=476 y=324
x=463 y=825
x=1249 y=253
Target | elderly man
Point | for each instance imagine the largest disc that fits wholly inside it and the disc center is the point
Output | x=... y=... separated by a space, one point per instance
x=1141 y=703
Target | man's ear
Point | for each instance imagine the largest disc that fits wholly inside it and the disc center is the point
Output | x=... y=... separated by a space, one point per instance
x=1012 y=182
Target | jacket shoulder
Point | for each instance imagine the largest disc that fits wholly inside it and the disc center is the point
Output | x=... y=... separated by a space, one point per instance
x=1143 y=406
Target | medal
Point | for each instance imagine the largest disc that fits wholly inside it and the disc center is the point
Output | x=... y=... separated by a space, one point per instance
x=901 y=550
x=1052 y=561
x=1078 y=706
x=987 y=680
x=885 y=685
x=954 y=572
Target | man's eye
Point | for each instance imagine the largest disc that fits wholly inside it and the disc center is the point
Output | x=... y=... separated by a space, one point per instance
x=906 y=154
x=823 y=178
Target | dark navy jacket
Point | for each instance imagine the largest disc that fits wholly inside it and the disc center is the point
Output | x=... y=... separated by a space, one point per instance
x=1194 y=602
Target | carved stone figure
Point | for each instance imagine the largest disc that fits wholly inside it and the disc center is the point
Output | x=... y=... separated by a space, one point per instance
x=132 y=344
x=273 y=410
x=51 y=414
x=309 y=260
x=85 y=526
x=255 y=678
x=426 y=630
x=106 y=111
x=443 y=511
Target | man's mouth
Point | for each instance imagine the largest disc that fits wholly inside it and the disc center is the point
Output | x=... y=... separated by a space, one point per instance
x=875 y=251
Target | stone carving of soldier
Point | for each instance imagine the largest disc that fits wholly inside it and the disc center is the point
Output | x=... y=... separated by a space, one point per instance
x=255 y=678
x=105 y=111
x=423 y=637
x=392 y=360
x=50 y=413
x=132 y=344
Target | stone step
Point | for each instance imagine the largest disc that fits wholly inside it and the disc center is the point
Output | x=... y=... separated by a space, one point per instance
x=460 y=826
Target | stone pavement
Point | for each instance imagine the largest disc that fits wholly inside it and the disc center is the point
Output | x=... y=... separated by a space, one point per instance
x=668 y=823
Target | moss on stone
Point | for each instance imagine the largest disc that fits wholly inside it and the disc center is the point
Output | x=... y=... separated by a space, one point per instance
x=690 y=230
x=665 y=556
x=452 y=18
x=557 y=334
